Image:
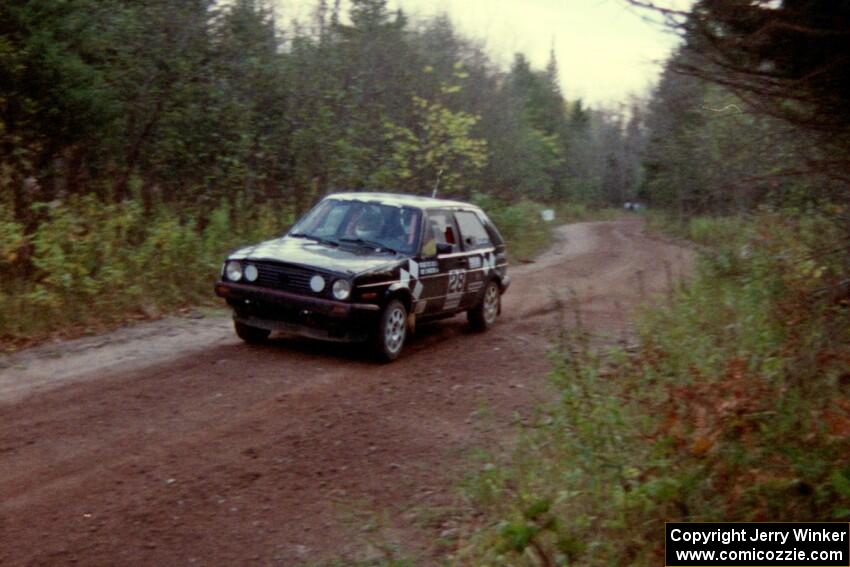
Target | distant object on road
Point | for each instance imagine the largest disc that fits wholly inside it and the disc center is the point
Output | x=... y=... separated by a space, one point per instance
x=547 y=215
x=633 y=206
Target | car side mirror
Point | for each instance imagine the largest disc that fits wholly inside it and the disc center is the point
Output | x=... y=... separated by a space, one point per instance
x=444 y=248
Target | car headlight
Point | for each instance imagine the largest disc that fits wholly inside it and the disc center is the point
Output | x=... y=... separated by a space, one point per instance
x=317 y=283
x=342 y=289
x=233 y=270
x=251 y=273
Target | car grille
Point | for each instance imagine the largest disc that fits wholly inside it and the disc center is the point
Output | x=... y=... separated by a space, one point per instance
x=284 y=277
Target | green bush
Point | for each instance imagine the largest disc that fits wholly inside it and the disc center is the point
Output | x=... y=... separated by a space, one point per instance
x=11 y=237
x=92 y=262
x=717 y=231
x=520 y=224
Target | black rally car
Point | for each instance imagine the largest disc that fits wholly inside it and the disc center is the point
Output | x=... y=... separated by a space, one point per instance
x=367 y=267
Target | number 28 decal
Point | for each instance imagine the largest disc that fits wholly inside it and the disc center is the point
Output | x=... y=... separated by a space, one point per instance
x=457 y=280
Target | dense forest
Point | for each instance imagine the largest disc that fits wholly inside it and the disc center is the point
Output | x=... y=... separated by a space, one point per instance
x=147 y=137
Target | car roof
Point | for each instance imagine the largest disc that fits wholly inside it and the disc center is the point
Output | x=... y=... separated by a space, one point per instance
x=401 y=199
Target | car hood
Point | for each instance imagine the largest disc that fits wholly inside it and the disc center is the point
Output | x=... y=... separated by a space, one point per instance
x=305 y=252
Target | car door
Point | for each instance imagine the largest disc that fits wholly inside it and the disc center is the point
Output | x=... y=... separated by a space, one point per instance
x=478 y=254
x=443 y=265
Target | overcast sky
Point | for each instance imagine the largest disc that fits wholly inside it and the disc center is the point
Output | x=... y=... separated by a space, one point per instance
x=606 y=51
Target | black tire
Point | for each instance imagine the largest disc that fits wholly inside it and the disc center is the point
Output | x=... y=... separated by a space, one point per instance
x=249 y=334
x=391 y=333
x=483 y=316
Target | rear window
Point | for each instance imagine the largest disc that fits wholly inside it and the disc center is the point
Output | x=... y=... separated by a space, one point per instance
x=472 y=231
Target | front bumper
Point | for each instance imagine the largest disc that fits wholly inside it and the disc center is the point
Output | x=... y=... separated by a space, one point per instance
x=313 y=317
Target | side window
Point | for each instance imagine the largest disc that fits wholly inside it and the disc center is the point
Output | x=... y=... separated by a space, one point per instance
x=439 y=228
x=472 y=232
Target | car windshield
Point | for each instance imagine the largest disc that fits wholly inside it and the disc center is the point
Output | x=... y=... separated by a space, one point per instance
x=370 y=224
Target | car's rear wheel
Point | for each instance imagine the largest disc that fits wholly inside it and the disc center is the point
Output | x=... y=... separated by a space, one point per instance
x=392 y=331
x=249 y=334
x=483 y=316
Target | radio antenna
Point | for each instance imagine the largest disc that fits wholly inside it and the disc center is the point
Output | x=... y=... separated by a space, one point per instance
x=437 y=183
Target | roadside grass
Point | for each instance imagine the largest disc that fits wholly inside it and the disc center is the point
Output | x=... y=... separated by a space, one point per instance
x=717 y=232
x=581 y=212
x=92 y=266
x=733 y=406
x=378 y=544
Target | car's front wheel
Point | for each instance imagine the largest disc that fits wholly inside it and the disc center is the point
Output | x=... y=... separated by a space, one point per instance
x=249 y=334
x=391 y=332
x=483 y=316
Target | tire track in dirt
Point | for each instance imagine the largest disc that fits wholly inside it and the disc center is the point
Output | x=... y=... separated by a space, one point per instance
x=232 y=454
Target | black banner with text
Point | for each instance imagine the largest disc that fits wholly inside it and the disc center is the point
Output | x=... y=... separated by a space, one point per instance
x=809 y=544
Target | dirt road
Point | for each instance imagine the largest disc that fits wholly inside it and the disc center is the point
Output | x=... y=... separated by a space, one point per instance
x=176 y=444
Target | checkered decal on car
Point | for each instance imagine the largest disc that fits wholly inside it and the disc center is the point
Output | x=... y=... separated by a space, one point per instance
x=489 y=262
x=411 y=274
